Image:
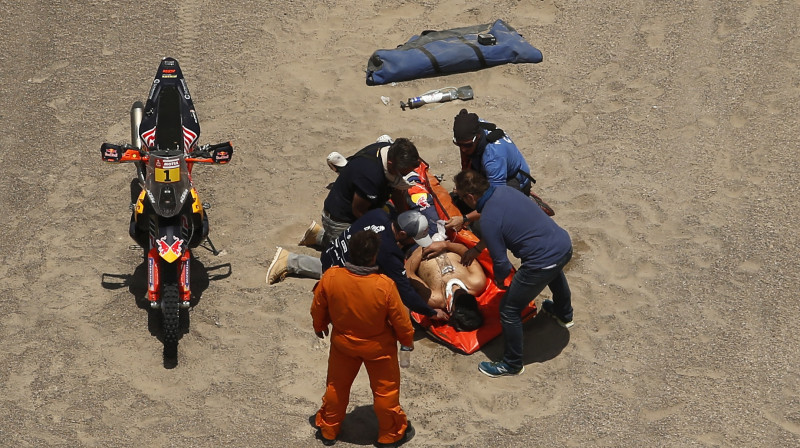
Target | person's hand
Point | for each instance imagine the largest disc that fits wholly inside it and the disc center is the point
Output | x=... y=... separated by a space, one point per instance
x=440 y=315
x=505 y=283
x=455 y=223
x=470 y=255
x=434 y=250
x=323 y=333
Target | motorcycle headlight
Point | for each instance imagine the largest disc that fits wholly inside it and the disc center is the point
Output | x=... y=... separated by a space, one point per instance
x=167 y=200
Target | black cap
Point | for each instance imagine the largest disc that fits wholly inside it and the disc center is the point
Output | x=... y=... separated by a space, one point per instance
x=465 y=126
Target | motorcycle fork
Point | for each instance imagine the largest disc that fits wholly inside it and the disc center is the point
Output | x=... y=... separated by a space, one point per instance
x=153 y=277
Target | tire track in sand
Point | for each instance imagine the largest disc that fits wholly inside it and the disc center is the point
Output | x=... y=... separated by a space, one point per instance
x=188 y=30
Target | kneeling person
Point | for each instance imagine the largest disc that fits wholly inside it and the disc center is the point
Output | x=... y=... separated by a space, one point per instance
x=408 y=227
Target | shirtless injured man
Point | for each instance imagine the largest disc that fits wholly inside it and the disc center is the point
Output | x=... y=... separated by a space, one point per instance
x=439 y=279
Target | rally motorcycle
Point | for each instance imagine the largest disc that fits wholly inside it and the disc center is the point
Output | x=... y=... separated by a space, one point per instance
x=168 y=219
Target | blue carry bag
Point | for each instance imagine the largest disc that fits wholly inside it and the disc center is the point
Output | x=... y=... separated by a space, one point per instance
x=458 y=50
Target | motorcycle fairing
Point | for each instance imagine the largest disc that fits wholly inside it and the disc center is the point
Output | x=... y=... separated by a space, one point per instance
x=167 y=182
x=169 y=120
x=194 y=221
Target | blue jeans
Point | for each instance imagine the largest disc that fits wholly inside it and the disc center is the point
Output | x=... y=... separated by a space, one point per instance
x=525 y=286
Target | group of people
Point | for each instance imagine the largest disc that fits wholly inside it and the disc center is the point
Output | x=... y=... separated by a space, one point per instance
x=378 y=262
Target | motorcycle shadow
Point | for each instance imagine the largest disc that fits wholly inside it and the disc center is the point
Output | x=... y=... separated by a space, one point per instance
x=200 y=277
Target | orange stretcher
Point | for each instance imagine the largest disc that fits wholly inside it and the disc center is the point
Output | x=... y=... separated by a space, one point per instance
x=466 y=342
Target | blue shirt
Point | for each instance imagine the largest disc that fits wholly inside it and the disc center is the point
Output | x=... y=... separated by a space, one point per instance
x=391 y=259
x=499 y=161
x=512 y=221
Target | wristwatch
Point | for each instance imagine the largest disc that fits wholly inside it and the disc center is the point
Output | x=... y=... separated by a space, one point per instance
x=466 y=220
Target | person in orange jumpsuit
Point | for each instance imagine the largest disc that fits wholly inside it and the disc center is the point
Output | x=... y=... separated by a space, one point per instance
x=368 y=320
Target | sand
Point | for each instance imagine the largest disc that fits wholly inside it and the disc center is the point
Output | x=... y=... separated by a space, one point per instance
x=664 y=134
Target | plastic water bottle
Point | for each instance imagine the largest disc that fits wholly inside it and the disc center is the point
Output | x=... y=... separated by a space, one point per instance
x=405 y=356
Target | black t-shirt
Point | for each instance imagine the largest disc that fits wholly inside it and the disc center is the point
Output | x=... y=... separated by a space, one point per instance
x=363 y=175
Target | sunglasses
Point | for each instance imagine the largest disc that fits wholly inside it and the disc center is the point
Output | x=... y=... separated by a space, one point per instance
x=467 y=143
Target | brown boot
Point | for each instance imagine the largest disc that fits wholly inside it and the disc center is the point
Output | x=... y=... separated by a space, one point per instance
x=278 y=268
x=311 y=236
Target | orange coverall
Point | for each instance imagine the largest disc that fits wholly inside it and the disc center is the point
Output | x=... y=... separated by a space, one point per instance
x=368 y=319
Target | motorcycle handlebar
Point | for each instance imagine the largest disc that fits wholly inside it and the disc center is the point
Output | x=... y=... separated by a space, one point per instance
x=219 y=146
x=219 y=153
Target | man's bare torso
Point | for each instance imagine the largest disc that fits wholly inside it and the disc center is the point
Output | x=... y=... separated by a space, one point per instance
x=437 y=271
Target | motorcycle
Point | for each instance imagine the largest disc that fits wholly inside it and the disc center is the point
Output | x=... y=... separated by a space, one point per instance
x=168 y=219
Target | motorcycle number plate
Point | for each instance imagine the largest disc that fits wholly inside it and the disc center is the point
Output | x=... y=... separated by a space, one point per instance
x=167 y=175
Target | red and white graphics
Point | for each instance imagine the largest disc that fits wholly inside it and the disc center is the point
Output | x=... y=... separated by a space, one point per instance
x=169 y=252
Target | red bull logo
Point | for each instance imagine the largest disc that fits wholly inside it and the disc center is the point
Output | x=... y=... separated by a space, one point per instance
x=222 y=157
x=169 y=252
x=421 y=200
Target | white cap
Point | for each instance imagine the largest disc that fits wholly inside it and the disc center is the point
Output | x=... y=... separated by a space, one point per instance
x=415 y=224
x=336 y=161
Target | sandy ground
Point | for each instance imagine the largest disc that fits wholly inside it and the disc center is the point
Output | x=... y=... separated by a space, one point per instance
x=663 y=133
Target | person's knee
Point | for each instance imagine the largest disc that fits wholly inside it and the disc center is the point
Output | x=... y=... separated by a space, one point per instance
x=510 y=316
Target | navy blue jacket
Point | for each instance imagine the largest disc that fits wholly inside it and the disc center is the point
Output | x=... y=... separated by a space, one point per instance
x=512 y=221
x=391 y=260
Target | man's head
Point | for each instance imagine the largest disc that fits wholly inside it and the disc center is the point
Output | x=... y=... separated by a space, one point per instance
x=413 y=224
x=470 y=186
x=402 y=157
x=364 y=247
x=465 y=131
x=466 y=312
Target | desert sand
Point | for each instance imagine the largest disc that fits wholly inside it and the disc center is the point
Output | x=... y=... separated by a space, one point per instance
x=664 y=134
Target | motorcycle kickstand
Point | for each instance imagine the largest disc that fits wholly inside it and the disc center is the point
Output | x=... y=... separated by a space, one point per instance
x=206 y=206
x=212 y=249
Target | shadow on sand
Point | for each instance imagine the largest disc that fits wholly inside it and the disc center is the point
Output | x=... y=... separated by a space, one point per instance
x=200 y=277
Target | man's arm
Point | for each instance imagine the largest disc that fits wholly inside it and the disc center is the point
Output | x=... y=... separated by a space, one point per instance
x=399 y=318
x=412 y=267
x=360 y=205
x=493 y=239
x=319 y=311
x=456 y=248
x=496 y=167
x=390 y=260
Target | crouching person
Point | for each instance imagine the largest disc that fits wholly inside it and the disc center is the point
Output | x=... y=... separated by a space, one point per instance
x=368 y=320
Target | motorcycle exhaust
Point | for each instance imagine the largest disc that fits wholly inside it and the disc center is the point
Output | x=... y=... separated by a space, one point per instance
x=137 y=112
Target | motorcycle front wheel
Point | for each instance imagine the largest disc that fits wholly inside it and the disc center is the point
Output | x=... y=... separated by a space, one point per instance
x=170 y=308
